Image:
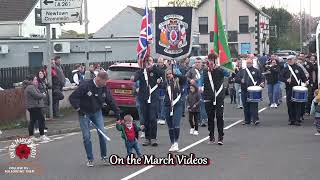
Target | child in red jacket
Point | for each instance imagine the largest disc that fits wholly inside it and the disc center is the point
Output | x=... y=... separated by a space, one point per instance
x=130 y=133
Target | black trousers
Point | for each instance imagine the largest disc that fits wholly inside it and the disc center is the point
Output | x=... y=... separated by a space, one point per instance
x=212 y=112
x=36 y=115
x=194 y=119
x=294 y=108
x=149 y=112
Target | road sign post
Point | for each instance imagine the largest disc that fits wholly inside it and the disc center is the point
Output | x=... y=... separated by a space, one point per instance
x=56 y=12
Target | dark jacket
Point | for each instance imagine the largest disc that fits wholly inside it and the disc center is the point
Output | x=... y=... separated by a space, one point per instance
x=286 y=74
x=217 y=78
x=121 y=128
x=193 y=101
x=33 y=96
x=90 y=99
x=153 y=74
x=256 y=74
x=310 y=68
x=175 y=90
x=273 y=77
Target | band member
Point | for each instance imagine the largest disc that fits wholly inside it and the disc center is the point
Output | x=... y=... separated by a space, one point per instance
x=213 y=95
x=311 y=81
x=150 y=81
x=173 y=104
x=88 y=99
x=247 y=77
x=293 y=75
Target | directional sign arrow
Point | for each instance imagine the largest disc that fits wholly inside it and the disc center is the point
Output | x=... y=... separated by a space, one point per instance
x=61 y=4
x=75 y=15
x=46 y=2
x=54 y=16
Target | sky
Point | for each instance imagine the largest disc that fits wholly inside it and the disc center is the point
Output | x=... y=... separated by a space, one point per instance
x=102 y=11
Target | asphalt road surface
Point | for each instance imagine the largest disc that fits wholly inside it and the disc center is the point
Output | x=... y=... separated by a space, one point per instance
x=271 y=151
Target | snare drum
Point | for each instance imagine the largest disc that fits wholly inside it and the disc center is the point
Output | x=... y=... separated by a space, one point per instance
x=254 y=94
x=299 y=94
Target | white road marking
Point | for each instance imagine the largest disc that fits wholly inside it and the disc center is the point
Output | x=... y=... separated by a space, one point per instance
x=184 y=149
x=57 y=137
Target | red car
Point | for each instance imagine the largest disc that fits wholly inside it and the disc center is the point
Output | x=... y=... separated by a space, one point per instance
x=122 y=88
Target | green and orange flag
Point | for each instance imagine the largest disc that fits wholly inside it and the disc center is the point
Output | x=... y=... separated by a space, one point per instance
x=220 y=42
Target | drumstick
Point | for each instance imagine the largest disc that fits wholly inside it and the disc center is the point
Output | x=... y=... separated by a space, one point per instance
x=101 y=132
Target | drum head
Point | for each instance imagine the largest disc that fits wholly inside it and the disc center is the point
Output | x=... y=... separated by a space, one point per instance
x=300 y=88
x=254 y=88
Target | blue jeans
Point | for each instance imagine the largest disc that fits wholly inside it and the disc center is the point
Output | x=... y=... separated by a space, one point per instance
x=183 y=101
x=173 y=122
x=160 y=113
x=130 y=145
x=238 y=93
x=250 y=109
x=97 y=119
x=203 y=113
x=274 y=93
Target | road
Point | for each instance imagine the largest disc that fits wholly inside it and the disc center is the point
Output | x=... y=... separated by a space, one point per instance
x=271 y=151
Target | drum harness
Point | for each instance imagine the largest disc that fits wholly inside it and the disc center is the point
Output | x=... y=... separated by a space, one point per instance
x=213 y=88
x=175 y=101
x=294 y=75
x=151 y=90
x=250 y=75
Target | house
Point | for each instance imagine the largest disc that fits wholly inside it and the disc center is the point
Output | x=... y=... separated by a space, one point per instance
x=125 y=24
x=17 y=19
x=247 y=26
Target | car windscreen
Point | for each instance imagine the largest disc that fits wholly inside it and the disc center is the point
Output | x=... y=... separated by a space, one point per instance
x=121 y=73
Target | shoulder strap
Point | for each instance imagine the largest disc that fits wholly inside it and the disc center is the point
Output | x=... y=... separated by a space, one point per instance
x=250 y=75
x=293 y=74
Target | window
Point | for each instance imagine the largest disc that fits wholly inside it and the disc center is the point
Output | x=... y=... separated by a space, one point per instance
x=204 y=49
x=203 y=25
x=232 y=36
x=243 y=24
x=234 y=49
x=121 y=73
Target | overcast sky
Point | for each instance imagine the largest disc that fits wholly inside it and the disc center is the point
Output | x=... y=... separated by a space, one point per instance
x=101 y=11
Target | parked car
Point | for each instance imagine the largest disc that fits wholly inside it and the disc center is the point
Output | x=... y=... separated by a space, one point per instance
x=284 y=54
x=122 y=88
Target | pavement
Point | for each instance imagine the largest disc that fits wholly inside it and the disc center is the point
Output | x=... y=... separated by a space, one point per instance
x=66 y=124
x=271 y=151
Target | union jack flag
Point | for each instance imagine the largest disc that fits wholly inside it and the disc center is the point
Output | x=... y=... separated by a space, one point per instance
x=145 y=37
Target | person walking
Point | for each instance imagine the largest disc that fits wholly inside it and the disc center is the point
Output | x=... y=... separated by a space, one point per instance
x=213 y=95
x=173 y=105
x=88 y=100
x=272 y=77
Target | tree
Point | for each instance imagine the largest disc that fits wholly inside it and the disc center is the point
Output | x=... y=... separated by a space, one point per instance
x=288 y=28
x=282 y=19
x=71 y=34
x=188 y=3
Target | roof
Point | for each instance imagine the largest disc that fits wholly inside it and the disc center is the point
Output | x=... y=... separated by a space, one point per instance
x=248 y=3
x=138 y=10
x=16 y=10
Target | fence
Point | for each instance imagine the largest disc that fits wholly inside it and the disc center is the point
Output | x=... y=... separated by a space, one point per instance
x=12 y=105
x=9 y=76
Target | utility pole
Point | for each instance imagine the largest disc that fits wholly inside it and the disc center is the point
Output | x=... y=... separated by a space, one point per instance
x=49 y=76
x=86 y=29
x=226 y=14
x=301 y=45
